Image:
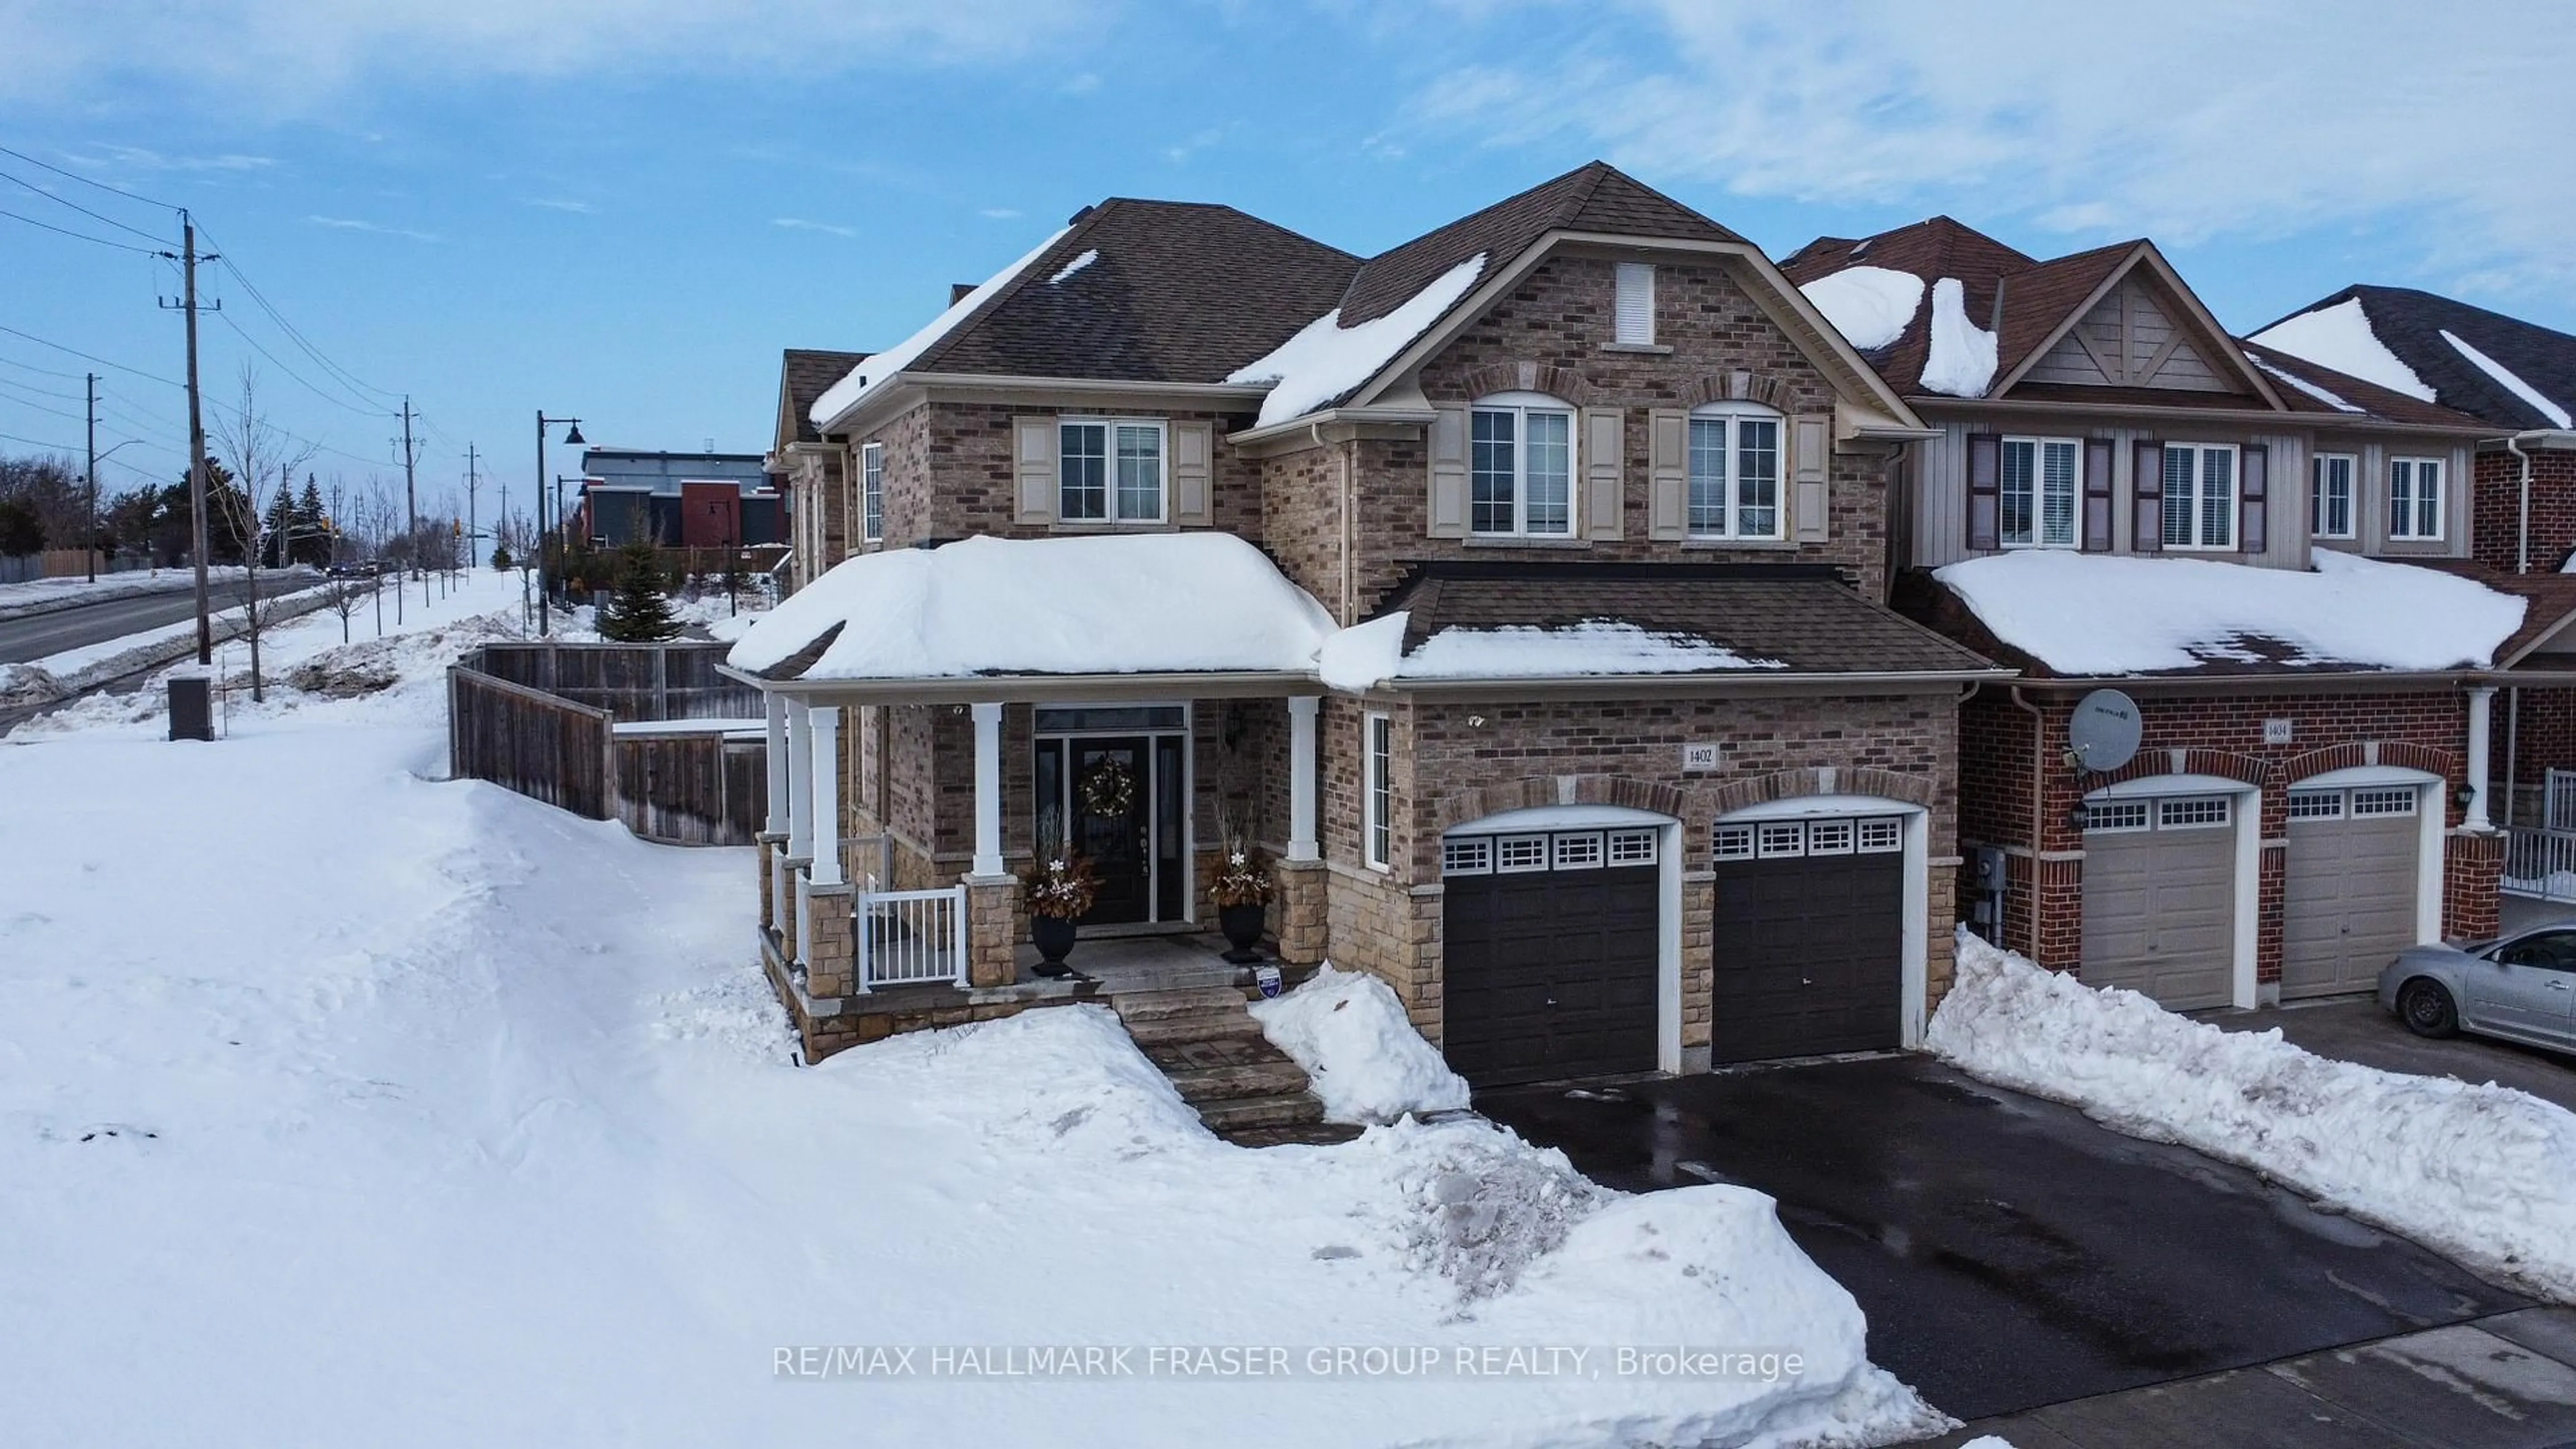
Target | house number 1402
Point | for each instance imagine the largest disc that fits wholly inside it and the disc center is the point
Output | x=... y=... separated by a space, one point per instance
x=1699 y=757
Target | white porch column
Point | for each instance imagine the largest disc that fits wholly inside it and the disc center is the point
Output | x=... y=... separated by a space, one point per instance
x=800 y=782
x=825 y=726
x=2481 y=713
x=988 y=789
x=1301 y=777
x=776 y=705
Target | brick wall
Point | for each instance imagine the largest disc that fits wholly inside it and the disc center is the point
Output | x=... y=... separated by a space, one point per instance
x=2496 y=508
x=2530 y=739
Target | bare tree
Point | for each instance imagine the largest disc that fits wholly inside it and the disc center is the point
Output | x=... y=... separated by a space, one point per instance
x=256 y=451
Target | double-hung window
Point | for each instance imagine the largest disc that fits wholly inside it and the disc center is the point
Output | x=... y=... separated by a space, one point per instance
x=1735 y=472
x=2415 y=498
x=2041 y=477
x=1377 y=827
x=2330 y=495
x=2200 y=495
x=1520 y=467
x=1109 y=470
x=872 y=493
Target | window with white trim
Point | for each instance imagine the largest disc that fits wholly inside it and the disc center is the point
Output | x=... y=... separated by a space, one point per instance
x=2415 y=498
x=1109 y=470
x=2397 y=801
x=1782 y=839
x=1473 y=855
x=1829 y=837
x=1735 y=472
x=1732 y=842
x=1378 y=826
x=1520 y=467
x=2116 y=815
x=2330 y=495
x=1634 y=309
x=1878 y=837
x=1520 y=853
x=2200 y=496
x=872 y=493
x=2041 y=477
x=1632 y=847
x=1578 y=852
x=2186 y=814
x=2316 y=804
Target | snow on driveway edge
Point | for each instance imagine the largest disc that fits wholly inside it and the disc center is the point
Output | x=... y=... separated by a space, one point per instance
x=2485 y=1174
x=1360 y=1053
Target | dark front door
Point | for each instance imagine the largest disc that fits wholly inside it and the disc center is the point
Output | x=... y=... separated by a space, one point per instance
x=1549 y=973
x=1809 y=953
x=1111 y=807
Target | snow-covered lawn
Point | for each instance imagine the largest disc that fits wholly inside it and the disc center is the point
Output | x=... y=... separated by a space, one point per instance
x=342 y=1104
x=2485 y=1174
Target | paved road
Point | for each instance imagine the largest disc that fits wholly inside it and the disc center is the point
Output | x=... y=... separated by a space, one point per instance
x=2010 y=1253
x=43 y=634
x=2354 y=1029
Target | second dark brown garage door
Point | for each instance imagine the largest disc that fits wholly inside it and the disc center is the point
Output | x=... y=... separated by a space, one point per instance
x=1550 y=948
x=1807 y=939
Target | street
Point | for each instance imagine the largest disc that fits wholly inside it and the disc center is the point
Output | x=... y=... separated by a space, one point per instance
x=45 y=634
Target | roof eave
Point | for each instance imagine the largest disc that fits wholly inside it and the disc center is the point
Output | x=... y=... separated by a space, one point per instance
x=1042 y=688
x=913 y=387
x=1728 y=681
x=2371 y=422
x=1331 y=417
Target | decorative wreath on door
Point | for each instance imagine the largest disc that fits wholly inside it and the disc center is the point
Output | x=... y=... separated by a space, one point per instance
x=1108 y=789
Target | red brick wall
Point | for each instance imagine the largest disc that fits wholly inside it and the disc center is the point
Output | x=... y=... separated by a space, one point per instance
x=2496 y=508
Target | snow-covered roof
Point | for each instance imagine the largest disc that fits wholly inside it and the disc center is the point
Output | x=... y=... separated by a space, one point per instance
x=1088 y=256
x=872 y=373
x=1961 y=360
x=2509 y=380
x=1870 y=306
x=2102 y=614
x=1326 y=359
x=1370 y=654
x=2340 y=337
x=1123 y=604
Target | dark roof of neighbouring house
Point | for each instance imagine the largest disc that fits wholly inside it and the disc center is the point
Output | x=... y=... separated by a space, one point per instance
x=1805 y=616
x=2369 y=396
x=804 y=375
x=2410 y=324
x=2551 y=597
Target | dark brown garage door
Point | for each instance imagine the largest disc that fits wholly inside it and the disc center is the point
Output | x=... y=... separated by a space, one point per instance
x=1808 y=938
x=1550 y=950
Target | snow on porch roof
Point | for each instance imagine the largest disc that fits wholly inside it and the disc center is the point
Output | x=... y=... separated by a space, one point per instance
x=1168 y=603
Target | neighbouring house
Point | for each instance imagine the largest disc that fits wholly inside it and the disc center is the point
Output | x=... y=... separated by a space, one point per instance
x=2269 y=557
x=2521 y=378
x=813 y=475
x=1521 y=590
x=678 y=500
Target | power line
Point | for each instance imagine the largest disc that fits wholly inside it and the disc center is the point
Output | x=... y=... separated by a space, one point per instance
x=89 y=357
x=40 y=391
x=40 y=407
x=76 y=206
x=86 y=181
x=31 y=367
x=227 y=320
x=77 y=235
x=358 y=385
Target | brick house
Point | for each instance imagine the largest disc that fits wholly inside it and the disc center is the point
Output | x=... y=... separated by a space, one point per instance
x=811 y=474
x=2521 y=379
x=2120 y=495
x=1604 y=748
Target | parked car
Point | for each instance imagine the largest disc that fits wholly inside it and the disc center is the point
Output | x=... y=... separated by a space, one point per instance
x=2521 y=988
x=348 y=571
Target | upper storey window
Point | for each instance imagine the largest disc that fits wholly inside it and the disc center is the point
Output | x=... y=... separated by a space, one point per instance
x=2415 y=498
x=1109 y=470
x=1735 y=472
x=1634 y=322
x=1520 y=467
x=2330 y=495
x=2200 y=496
x=2041 y=477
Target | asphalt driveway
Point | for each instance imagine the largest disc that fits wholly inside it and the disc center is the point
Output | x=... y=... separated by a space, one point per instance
x=2354 y=1029
x=2008 y=1252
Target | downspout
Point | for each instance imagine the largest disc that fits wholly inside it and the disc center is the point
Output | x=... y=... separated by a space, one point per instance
x=2522 y=540
x=2038 y=811
x=2512 y=750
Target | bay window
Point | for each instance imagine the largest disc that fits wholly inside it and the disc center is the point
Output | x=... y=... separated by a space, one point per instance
x=1521 y=467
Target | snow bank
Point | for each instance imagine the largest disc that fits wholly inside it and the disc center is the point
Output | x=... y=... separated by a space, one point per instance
x=1326 y=359
x=2510 y=381
x=1870 y=306
x=2340 y=337
x=1125 y=604
x=1362 y=1055
x=1961 y=358
x=1367 y=654
x=871 y=374
x=2485 y=1174
x=2102 y=614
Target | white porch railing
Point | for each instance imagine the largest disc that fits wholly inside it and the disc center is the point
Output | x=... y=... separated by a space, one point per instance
x=908 y=938
x=2540 y=864
x=2558 y=800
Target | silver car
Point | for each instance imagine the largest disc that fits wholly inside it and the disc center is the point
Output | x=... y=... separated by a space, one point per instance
x=2520 y=987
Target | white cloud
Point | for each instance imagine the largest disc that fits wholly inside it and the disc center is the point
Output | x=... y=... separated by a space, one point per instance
x=999 y=213
x=64 y=52
x=798 y=223
x=577 y=208
x=2211 y=118
x=346 y=223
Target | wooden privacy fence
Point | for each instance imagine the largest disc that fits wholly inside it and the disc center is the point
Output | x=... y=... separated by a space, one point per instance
x=647 y=734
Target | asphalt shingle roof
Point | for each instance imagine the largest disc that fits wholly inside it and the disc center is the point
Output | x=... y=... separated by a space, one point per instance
x=807 y=372
x=2410 y=324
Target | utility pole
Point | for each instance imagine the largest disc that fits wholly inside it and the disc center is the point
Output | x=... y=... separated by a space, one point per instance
x=411 y=508
x=473 y=529
x=187 y=305
x=90 y=545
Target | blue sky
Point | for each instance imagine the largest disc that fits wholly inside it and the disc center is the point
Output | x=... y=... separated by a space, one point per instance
x=623 y=210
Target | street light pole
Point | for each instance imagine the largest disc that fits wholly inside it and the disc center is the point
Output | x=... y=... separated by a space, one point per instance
x=572 y=439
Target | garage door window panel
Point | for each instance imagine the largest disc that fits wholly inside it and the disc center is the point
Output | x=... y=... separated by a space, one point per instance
x=1578 y=852
x=1472 y=856
x=2116 y=816
x=2192 y=814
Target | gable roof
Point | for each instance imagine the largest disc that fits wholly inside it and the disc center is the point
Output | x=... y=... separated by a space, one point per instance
x=2314 y=389
x=2410 y=325
x=803 y=374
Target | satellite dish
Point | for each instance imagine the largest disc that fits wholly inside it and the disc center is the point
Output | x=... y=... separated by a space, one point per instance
x=2103 y=734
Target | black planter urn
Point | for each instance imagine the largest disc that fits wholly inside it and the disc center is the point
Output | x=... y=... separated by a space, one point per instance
x=1053 y=936
x=1242 y=927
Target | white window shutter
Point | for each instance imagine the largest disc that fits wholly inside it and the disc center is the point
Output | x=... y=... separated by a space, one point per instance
x=1667 y=474
x=1605 y=471
x=1449 y=472
x=1811 y=451
x=1193 y=473
x=1636 y=303
x=1033 y=444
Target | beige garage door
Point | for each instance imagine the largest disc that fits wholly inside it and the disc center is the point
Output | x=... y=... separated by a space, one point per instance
x=2160 y=898
x=2348 y=899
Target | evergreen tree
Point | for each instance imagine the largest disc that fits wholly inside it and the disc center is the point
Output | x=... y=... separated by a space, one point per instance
x=501 y=557
x=312 y=526
x=639 y=612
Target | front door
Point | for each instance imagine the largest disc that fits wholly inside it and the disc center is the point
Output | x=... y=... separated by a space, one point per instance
x=1108 y=823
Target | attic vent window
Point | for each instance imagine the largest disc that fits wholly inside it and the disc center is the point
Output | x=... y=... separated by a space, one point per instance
x=1636 y=304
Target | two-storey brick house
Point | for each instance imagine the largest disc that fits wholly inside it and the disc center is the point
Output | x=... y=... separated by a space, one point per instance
x=2259 y=553
x=1553 y=664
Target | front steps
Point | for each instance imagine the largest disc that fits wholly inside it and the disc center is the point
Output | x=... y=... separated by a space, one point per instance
x=1246 y=1090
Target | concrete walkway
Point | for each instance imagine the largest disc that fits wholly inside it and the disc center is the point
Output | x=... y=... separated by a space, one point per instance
x=2503 y=1382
